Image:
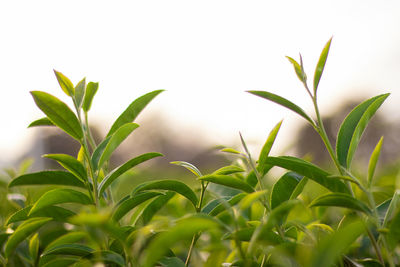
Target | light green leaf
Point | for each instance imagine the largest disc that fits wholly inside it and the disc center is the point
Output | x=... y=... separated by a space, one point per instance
x=129 y=203
x=188 y=166
x=23 y=232
x=123 y=168
x=321 y=65
x=133 y=110
x=65 y=83
x=59 y=113
x=231 y=169
x=106 y=256
x=283 y=102
x=99 y=151
x=80 y=92
x=34 y=247
x=68 y=238
x=58 y=196
x=41 y=122
x=262 y=167
x=91 y=90
x=248 y=200
x=69 y=249
x=47 y=178
x=57 y=213
x=353 y=126
x=230 y=150
x=298 y=69
x=70 y=163
x=171 y=185
x=228 y=181
x=373 y=161
x=116 y=139
x=340 y=200
x=309 y=170
x=284 y=188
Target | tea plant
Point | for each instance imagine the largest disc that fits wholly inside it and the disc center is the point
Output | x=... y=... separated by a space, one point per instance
x=238 y=215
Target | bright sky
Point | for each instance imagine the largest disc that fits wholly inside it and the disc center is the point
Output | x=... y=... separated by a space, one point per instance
x=206 y=54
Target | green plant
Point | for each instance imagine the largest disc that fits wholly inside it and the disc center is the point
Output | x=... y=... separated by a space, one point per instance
x=238 y=215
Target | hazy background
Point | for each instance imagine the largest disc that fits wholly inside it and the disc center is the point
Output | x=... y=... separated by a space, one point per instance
x=206 y=54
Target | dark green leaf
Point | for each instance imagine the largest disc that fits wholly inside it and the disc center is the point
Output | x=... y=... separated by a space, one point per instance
x=321 y=65
x=99 y=151
x=106 y=256
x=228 y=170
x=171 y=262
x=229 y=181
x=23 y=232
x=65 y=84
x=91 y=90
x=262 y=167
x=284 y=187
x=58 y=196
x=299 y=70
x=353 y=127
x=47 y=178
x=59 y=113
x=188 y=166
x=340 y=200
x=41 y=122
x=69 y=163
x=60 y=262
x=374 y=160
x=123 y=168
x=309 y=170
x=131 y=202
x=171 y=185
x=133 y=110
x=57 y=213
x=154 y=206
x=69 y=249
x=283 y=102
x=80 y=92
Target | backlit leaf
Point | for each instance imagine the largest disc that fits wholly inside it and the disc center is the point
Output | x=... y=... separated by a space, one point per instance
x=65 y=83
x=228 y=181
x=188 y=166
x=69 y=163
x=47 y=178
x=34 y=247
x=41 y=122
x=226 y=170
x=321 y=65
x=299 y=70
x=374 y=160
x=340 y=200
x=91 y=90
x=262 y=167
x=248 y=200
x=80 y=92
x=226 y=204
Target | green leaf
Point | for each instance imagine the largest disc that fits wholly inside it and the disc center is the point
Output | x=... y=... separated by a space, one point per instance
x=171 y=262
x=231 y=169
x=299 y=70
x=373 y=161
x=106 y=256
x=283 y=102
x=58 y=196
x=245 y=235
x=248 y=200
x=99 y=151
x=262 y=167
x=59 y=113
x=226 y=204
x=330 y=249
x=69 y=249
x=116 y=139
x=65 y=84
x=188 y=166
x=41 y=122
x=23 y=232
x=183 y=230
x=340 y=200
x=129 y=203
x=91 y=90
x=171 y=185
x=47 y=178
x=80 y=92
x=123 y=168
x=57 y=213
x=60 y=261
x=133 y=110
x=70 y=163
x=34 y=247
x=284 y=187
x=393 y=206
x=353 y=126
x=68 y=238
x=228 y=181
x=154 y=206
x=394 y=230
x=230 y=150
x=309 y=170
x=277 y=215
x=321 y=65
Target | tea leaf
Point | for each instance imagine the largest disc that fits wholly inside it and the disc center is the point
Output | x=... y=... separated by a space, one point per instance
x=321 y=65
x=65 y=84
x=283 y=102
x=393 y=206
x=230 y=150
x=340 y=200
x=225 y=204
x=123 y=168
x=116 y=139
x=106 y=256
x=23 y=232
x=284 y=187
x=171 y=185
x=188 y=166
x=299 y=70
x=69 y=249
x=248 y=200
x=58 y=196
x=228 y=181
x=34 y=247
x=231 y=169
x=262 y=168
x=68 y=238
x=133 y=110
x=279 y=213
x=69 y=163
x=171 y=262
x=394 y=230
x=99 y=151
x=91 y=90
x=57 y=213
x=47 y=178
x=155 y=205
x=374 y=160
x=41 y=122
x=61 y=261
x=353 y=127
x=80 y=92
x=309 y=170
x=129 y=203
x=59 y=113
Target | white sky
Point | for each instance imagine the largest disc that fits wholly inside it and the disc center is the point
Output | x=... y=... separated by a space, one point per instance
x=204 y=53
